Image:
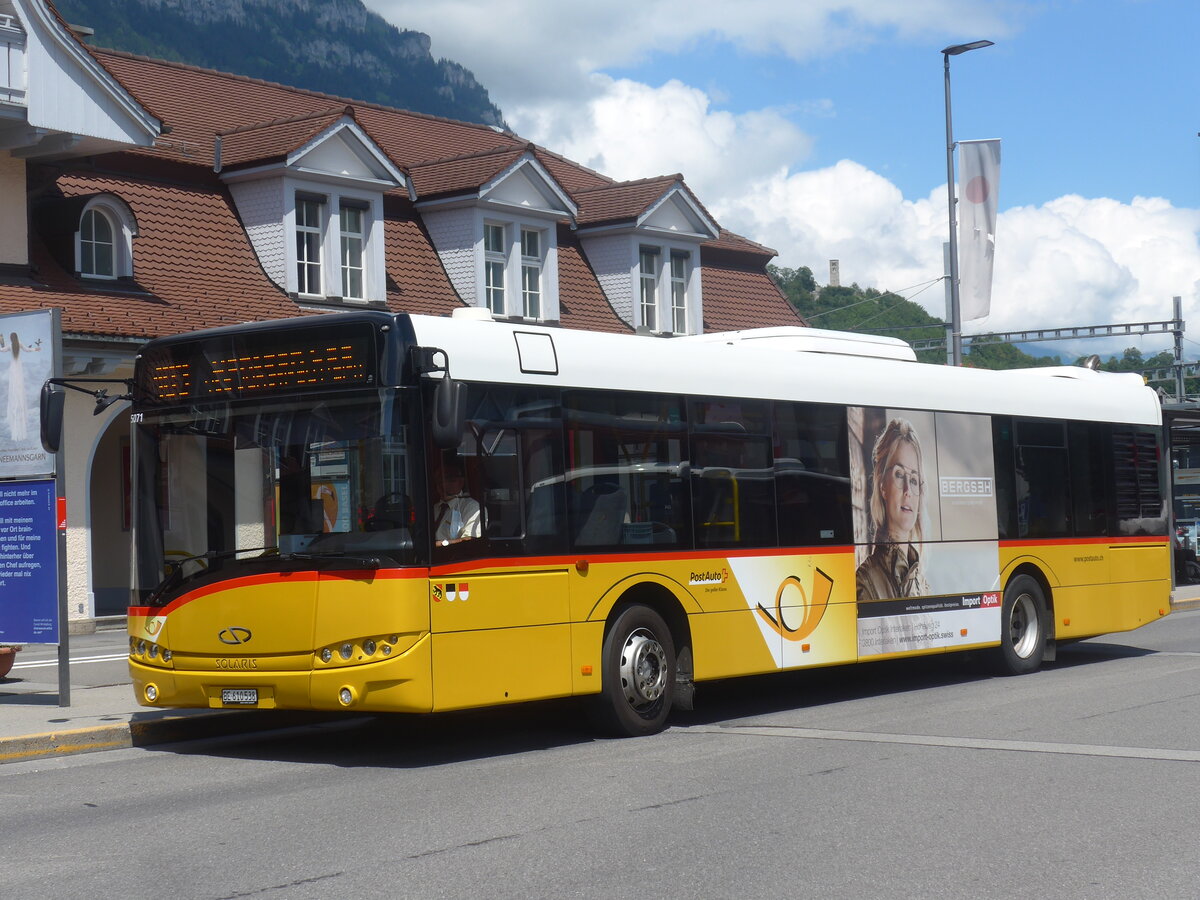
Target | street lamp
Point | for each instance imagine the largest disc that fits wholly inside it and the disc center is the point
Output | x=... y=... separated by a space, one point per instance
x=955 y=312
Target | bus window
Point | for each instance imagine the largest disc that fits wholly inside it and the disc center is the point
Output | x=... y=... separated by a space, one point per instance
x=511 y=454
x=1140 y=507
x=1043 y=506
x=625 y=464
x=812 y=474
x=1089 y=445
x=733 y=489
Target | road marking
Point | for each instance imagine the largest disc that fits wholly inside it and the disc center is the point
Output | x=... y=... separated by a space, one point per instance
x=48 y=663
x=923 y=740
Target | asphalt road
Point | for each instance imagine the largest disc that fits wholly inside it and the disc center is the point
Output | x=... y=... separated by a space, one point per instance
x=926 y=778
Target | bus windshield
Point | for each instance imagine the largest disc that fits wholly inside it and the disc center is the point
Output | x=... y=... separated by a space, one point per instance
x=245 y=484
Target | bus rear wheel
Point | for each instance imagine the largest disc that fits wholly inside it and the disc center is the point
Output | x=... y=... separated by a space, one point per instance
x=1023 y=627
x=638 y=674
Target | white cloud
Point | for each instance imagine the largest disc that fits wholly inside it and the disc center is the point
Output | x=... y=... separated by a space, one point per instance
x=530 y=50
x=629 y=130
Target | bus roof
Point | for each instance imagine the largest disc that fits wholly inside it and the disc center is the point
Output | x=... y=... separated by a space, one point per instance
x=772 y=364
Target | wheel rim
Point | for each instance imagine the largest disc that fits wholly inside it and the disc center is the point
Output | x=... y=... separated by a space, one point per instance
x=1023 y=626
x=643 y=669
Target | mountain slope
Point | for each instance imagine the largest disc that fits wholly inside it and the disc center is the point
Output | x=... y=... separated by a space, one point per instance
x=333 y=46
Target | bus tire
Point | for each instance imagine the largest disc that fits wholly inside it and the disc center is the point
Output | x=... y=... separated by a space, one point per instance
x=638 y=674
x=1023 y=627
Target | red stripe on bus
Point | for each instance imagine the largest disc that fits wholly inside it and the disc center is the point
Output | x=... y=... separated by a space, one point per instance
x=1072 y=542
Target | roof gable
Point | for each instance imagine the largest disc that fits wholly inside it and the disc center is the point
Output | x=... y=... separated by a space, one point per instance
x=527 y=184
x=73 y=106
x=330 y=145
x=659 y=204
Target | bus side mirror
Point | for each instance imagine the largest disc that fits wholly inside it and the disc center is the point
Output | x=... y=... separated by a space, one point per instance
x=449 y=413
x=52 y=417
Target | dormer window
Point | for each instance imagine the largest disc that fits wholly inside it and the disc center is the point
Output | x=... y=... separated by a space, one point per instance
x=104 y=239
x=494 y=223
x=315 y=214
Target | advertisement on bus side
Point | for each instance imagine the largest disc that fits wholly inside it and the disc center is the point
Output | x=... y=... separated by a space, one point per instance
x=924 y=512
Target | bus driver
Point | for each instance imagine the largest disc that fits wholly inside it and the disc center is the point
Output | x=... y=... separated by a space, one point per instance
x=456 y=514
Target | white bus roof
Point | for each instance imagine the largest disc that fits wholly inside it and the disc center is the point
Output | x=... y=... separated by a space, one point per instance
x=780 y=367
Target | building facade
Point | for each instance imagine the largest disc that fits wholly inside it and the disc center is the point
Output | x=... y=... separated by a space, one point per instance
x=145 y=198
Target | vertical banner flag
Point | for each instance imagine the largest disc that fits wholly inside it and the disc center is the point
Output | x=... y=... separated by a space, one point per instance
x=978 y=193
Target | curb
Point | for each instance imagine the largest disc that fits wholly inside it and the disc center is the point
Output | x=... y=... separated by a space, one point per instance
x=1182 y=605
x=149 y=732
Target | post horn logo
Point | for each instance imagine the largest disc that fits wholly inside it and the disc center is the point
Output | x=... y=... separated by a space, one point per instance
x=813 y=609
x=234 y=635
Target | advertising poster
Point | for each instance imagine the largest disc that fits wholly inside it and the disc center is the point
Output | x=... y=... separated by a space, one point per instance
x=28 y=563
x=26 y=361
x=924 y=509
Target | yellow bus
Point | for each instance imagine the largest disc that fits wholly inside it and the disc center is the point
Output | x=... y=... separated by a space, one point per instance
x=378 y=512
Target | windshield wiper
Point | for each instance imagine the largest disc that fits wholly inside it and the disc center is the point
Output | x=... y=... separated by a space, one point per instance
x=175 y=576
x=370 y=562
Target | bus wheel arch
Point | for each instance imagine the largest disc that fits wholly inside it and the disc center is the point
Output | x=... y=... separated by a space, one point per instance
x=646 y=668
x=1026 y=623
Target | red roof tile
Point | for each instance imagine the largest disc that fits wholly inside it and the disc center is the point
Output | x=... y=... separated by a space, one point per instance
x=274 y=140
x=461 y=174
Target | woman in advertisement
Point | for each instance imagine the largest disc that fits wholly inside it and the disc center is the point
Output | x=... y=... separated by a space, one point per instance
x=16 y=409
x=893 y=567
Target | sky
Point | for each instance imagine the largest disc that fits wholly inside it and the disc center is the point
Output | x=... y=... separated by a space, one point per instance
x=817 y=128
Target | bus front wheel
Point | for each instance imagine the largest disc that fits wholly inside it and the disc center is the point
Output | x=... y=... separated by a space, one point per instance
x=638 y=674
x=1023 y=627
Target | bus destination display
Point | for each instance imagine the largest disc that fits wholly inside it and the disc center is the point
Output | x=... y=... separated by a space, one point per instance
x=277 y=364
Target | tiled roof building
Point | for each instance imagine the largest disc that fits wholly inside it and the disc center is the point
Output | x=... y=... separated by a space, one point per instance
x=146 y=198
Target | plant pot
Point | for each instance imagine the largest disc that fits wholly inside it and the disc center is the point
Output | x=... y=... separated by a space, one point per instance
x=7 y=656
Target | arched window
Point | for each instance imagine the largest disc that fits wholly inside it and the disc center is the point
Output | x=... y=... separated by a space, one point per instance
x=104 y=241
x=97 y=250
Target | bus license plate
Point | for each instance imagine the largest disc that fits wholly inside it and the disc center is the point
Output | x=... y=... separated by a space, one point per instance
x=239 y=696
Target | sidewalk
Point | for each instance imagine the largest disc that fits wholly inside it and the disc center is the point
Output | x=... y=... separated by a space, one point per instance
x=34 y=726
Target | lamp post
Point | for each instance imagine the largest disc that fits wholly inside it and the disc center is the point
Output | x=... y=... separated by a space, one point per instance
x=955 y=313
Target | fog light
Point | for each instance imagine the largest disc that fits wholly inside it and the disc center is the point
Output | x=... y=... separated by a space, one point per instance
x=326 y=655
x=151 y=693
x=369 y=647
x=346 y=696
x=346 y=650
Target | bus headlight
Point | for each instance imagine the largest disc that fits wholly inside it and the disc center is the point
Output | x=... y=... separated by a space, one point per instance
x=326 y=655
x=369 y=647
x=346 y=650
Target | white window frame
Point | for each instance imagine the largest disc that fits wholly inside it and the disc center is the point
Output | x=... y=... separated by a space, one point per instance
x=305 y=231
x=531 y=272
x=353 y=247
x=119 y=218
x=679 y=290
x=649 y=270
x=495 y=266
